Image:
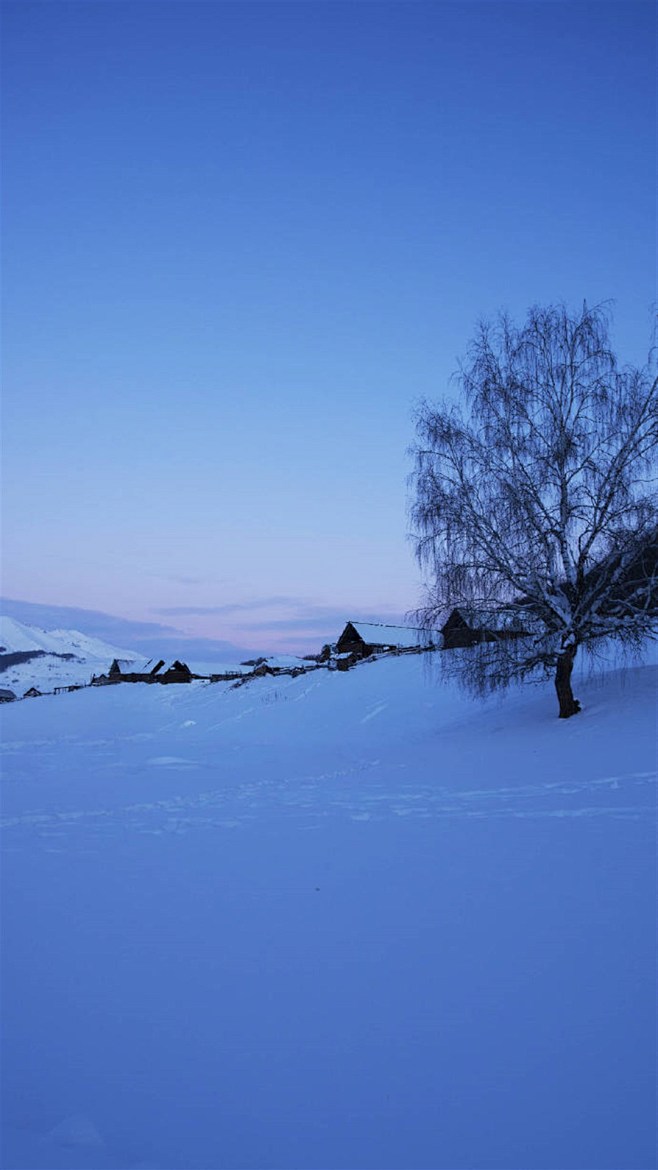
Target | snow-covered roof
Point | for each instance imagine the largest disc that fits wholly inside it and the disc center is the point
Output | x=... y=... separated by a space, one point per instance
x=402 y=637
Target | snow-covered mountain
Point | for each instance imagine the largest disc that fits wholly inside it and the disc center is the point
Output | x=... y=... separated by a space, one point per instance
x=45 y=659
x=338 y=920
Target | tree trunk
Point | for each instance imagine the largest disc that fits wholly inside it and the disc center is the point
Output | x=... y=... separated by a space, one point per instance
x=568 y=705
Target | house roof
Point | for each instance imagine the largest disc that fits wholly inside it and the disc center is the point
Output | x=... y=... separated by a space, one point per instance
x=403 y=637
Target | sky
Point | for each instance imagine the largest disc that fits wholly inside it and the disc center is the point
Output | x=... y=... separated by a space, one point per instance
x=244 y=240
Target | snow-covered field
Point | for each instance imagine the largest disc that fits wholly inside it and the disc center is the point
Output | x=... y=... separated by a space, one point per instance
x=338 y=921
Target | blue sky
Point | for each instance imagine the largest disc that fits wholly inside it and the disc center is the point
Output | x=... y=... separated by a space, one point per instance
x=243 y=239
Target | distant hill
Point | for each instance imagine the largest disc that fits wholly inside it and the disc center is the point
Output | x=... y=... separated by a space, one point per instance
x=45 y=659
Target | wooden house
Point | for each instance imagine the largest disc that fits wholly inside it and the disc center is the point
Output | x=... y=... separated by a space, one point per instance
x=33 y=693
x=469 y=627
x=6 y=696
x=365 y=638
x=178 y=672
x=117 y=673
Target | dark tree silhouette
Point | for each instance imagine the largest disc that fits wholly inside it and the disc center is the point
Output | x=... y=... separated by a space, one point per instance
x=538 y=499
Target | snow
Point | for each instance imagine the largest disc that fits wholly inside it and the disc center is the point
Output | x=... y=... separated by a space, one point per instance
x=347 y=920
x=287 y=660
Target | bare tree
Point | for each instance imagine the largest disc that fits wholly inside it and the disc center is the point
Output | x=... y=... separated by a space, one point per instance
x=538 y=499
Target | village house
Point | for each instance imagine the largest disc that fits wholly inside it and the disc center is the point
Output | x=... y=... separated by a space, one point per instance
x=470 y=627
x=178 y=672
x=361 y=639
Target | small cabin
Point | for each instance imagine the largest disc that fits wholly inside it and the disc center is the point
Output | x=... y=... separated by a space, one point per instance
x=6 y=696
x=471 y=627
x=33 y=693
x=178 y=672
x=365 y=638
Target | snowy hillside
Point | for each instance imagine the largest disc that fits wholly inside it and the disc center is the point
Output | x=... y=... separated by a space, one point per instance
x=337 y=921
x=31 y=657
